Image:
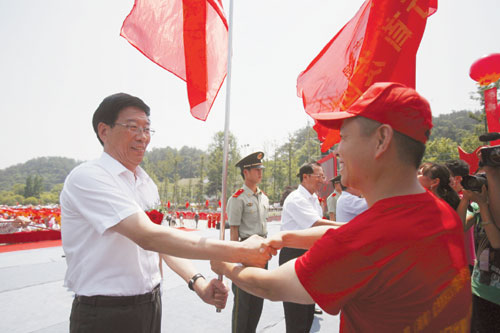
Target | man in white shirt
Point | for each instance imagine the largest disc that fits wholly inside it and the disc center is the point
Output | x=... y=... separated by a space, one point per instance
x=302 y=210
x=112 y=246
x=350 y=204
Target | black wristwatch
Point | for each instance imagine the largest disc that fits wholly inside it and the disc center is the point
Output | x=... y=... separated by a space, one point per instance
x=193 y=280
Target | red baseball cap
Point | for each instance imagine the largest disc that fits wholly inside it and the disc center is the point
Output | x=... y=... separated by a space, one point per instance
x=388 y=103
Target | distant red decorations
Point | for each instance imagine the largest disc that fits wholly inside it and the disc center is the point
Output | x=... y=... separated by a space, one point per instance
x=220 y=204
x=207 y=203
x=187 y=204
x=486 y=70
x=168 y=204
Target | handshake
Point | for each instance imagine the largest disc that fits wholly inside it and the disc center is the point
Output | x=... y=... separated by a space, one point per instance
x=255 y=251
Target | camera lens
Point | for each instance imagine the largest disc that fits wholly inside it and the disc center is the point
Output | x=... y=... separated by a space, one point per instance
x=495 y=156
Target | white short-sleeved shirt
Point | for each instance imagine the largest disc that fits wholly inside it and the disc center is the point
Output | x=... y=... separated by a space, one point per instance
x=96 y=196
x=301 y=210
x=349 y=206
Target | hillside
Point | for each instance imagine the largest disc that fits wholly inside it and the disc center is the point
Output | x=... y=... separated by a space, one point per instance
x=52 y=169
x=170 y=164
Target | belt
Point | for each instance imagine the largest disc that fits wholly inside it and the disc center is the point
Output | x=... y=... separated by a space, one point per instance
x=242 y=239
x=101 y=300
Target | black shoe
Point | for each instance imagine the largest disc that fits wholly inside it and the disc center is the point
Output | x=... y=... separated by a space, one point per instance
x=317 y=311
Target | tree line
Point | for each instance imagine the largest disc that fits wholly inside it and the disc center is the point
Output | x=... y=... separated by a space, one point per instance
x=194 y=175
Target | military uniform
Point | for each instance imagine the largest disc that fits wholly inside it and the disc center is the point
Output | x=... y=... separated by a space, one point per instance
x=248 y=211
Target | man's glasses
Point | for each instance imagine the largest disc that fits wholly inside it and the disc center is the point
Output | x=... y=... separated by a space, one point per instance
x=138 y=130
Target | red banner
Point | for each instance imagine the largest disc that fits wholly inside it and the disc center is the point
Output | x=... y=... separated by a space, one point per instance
x=378 y=44
x=492 y=112
x=186 y=37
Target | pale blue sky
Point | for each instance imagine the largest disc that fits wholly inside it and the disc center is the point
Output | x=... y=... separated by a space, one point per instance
x=60 y=58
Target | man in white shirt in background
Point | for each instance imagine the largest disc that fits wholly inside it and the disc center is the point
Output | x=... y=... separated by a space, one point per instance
x=350 y=204
x=302 y=210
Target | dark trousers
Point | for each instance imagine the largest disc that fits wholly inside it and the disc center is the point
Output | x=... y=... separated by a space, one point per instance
x=485 y=316
x=247 y=309
x=134 y=314
x=298 y=317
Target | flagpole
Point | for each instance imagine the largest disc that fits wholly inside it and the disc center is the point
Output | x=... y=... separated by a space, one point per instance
x=226 y=127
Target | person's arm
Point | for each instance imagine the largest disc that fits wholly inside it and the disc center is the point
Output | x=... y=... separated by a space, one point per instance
x=469 y=222
x=327 y=223
x=234 y=233
x=213 y=292
x=487 y=221
x=281 y=284
x=138 y=228
x=299 y=239
x=332 y=216
x=493 y=177
x=462 y=210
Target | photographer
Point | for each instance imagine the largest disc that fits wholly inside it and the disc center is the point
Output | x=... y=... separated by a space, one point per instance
x=485 y=280
x=493 y=178
x=490 y=161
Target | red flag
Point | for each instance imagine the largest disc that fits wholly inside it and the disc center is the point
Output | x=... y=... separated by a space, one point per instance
x=186 y=37
x=378 y=44
x=471 y=159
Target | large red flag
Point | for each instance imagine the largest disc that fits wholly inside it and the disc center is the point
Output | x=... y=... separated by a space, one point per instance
x=378 y=44
x=186 y=37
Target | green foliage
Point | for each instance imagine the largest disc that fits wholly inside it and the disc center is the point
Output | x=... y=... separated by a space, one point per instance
x=53 y=170
x=214 y=166
x=194 y=175
x=440 y=150
x=33 y=187
x=460 y=128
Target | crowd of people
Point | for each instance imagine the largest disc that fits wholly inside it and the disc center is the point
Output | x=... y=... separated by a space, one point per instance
x=389 y=254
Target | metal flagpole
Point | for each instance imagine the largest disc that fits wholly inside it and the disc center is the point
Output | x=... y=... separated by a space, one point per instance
x=226 y=127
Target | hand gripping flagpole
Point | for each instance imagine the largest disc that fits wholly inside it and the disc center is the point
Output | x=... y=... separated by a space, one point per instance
x=226 y=127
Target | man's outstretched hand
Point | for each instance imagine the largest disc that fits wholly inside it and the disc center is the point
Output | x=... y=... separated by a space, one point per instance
x=256 y=252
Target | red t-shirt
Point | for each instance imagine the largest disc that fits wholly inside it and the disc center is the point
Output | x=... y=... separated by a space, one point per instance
x=397 y=267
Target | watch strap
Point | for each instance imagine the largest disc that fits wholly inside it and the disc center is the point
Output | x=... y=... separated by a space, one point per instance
x=193 y=280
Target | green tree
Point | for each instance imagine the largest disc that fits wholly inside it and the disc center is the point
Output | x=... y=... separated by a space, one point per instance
x=37 y=186
x=440 y=150
x=214 y=166
x=200 y=187
x=31 y=201
x=28 y=188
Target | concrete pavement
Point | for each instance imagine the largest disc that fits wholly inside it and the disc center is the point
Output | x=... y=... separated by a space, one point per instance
x=33 y=299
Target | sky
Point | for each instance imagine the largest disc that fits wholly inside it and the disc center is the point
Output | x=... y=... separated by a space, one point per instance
x=60 y=58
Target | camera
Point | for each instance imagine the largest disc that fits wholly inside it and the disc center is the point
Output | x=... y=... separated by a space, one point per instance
x=474 y=183
x=490 y=156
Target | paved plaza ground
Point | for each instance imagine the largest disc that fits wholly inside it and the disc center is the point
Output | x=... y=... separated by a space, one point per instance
x=33 y=299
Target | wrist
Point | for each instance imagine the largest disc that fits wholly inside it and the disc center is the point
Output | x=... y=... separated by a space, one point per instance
x=192 y=281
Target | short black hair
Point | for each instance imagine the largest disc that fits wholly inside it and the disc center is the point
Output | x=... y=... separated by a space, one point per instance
x=307 y=169
x=408 y=149
x=457 y=167
x=107 y=112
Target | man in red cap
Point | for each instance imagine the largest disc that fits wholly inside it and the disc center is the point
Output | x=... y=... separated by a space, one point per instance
x=400 y=265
